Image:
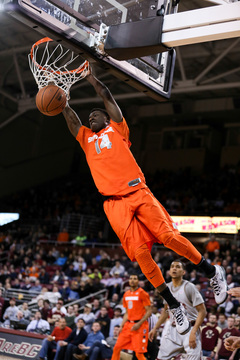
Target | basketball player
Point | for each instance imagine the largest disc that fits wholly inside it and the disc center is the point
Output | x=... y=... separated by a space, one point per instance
x=135 y=215
x=172 y=343
x=133 y=332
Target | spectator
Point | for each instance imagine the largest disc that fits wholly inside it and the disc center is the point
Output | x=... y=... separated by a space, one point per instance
x=76 y=309
x=104 y=321
x=109 y=308
x=18 y=321
x=27 y=284
x=70 y=317
x=65 y=348
x=63 y=309
x=103 y=349
x=210 y=335
x=221 y=351
x=116 y=321
x=212 y=245
x=115 y=284
x=93 y=336
x=2 y=301
x=87 y=316
x=46 y=311
x=26 y=312
x=10 y=312
x=106 y=279
x=16 y=284
x=61 y=260
x=79 y=265
x=228 y=306
x=43 y=276
x=65 y=290
x=58 y=277
x=118 y=268
x=230 y=282
x=222 y=322
x=74 y=291
x=63 y=236
x=57 y=314
x=96 y=307
x=38 y=325
x=36 y=287
x=114 y=300
x=59 y=333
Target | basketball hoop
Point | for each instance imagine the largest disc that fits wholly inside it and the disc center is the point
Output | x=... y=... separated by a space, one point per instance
x=54 y=66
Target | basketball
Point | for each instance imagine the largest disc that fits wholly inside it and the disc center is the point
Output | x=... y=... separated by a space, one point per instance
x=51 y=100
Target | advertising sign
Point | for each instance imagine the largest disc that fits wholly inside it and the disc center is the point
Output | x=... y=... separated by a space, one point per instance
x=19 y=344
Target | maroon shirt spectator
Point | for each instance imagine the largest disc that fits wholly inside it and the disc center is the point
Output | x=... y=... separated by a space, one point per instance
x=222 y=352
x=46 y=311
x=210 y=335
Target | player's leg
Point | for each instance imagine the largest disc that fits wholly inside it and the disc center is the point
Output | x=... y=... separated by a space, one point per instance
x=157 y=220
x=133 y=234
x=123 y=341
x=140 y=356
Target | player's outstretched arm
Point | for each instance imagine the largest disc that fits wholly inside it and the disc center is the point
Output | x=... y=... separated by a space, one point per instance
x=72 y=119
x=162 y=318
x=111 y=106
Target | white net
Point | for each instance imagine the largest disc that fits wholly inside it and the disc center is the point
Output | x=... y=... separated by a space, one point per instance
x=55 y=65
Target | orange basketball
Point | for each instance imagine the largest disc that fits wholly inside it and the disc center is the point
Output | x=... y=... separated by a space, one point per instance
x=51 y=100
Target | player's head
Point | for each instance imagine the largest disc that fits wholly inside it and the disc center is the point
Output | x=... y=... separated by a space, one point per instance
x=133 y=280
x=177 y=269
x=98 y=119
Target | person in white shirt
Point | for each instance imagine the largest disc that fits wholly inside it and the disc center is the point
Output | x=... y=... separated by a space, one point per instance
x=62 y=309
x=88 y=317
x=38 y=325
x=10 y=312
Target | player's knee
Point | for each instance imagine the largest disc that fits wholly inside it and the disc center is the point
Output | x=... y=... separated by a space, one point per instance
x=144 y=259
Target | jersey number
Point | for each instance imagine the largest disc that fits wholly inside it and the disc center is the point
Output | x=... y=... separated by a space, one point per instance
x=105 y=142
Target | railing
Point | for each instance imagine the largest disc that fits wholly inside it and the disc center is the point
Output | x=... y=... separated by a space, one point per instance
x=20 y=294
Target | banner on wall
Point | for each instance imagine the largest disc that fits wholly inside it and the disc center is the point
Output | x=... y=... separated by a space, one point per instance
x=207 y=224
x=20 y=345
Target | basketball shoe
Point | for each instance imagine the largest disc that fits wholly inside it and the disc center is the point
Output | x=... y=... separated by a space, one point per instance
x=219 y=286
x=180 y=320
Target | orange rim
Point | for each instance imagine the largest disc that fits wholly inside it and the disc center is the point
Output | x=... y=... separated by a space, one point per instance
x=47 y=39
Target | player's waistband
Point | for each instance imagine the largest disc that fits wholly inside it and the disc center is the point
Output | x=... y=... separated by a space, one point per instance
x=192 y=322
x=134 y=321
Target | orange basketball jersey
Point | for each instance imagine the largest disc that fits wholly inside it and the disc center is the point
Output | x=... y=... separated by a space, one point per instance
x=113 y=167
x=135 y=302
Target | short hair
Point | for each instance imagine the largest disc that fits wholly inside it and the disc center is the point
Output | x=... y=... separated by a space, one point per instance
x=102 y=110
x=135 y=274
x=82 y=320
x=179 y=261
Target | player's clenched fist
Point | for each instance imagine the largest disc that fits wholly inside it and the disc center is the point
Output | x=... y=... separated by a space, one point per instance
x=232 y=343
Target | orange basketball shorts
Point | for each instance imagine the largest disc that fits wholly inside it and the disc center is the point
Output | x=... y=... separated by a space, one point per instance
x=138 y=218
x=136 y=340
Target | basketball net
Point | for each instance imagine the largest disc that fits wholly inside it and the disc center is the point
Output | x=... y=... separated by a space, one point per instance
x=53 y=66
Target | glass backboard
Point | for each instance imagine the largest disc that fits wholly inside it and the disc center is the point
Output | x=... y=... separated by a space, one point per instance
x=81 y=26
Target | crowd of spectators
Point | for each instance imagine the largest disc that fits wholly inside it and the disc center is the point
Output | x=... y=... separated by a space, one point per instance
x=35 y=270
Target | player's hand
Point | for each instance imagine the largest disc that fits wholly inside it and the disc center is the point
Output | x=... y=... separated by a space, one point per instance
x=151 y=334
x=232 y=343
x=192 y=340
x=234 y=291
x=135 y=327
x=87 y=71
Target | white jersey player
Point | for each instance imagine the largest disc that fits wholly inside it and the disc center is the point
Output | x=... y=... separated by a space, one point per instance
x=172 y=343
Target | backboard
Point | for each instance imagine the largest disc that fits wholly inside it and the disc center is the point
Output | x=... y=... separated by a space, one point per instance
x=81 y=26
